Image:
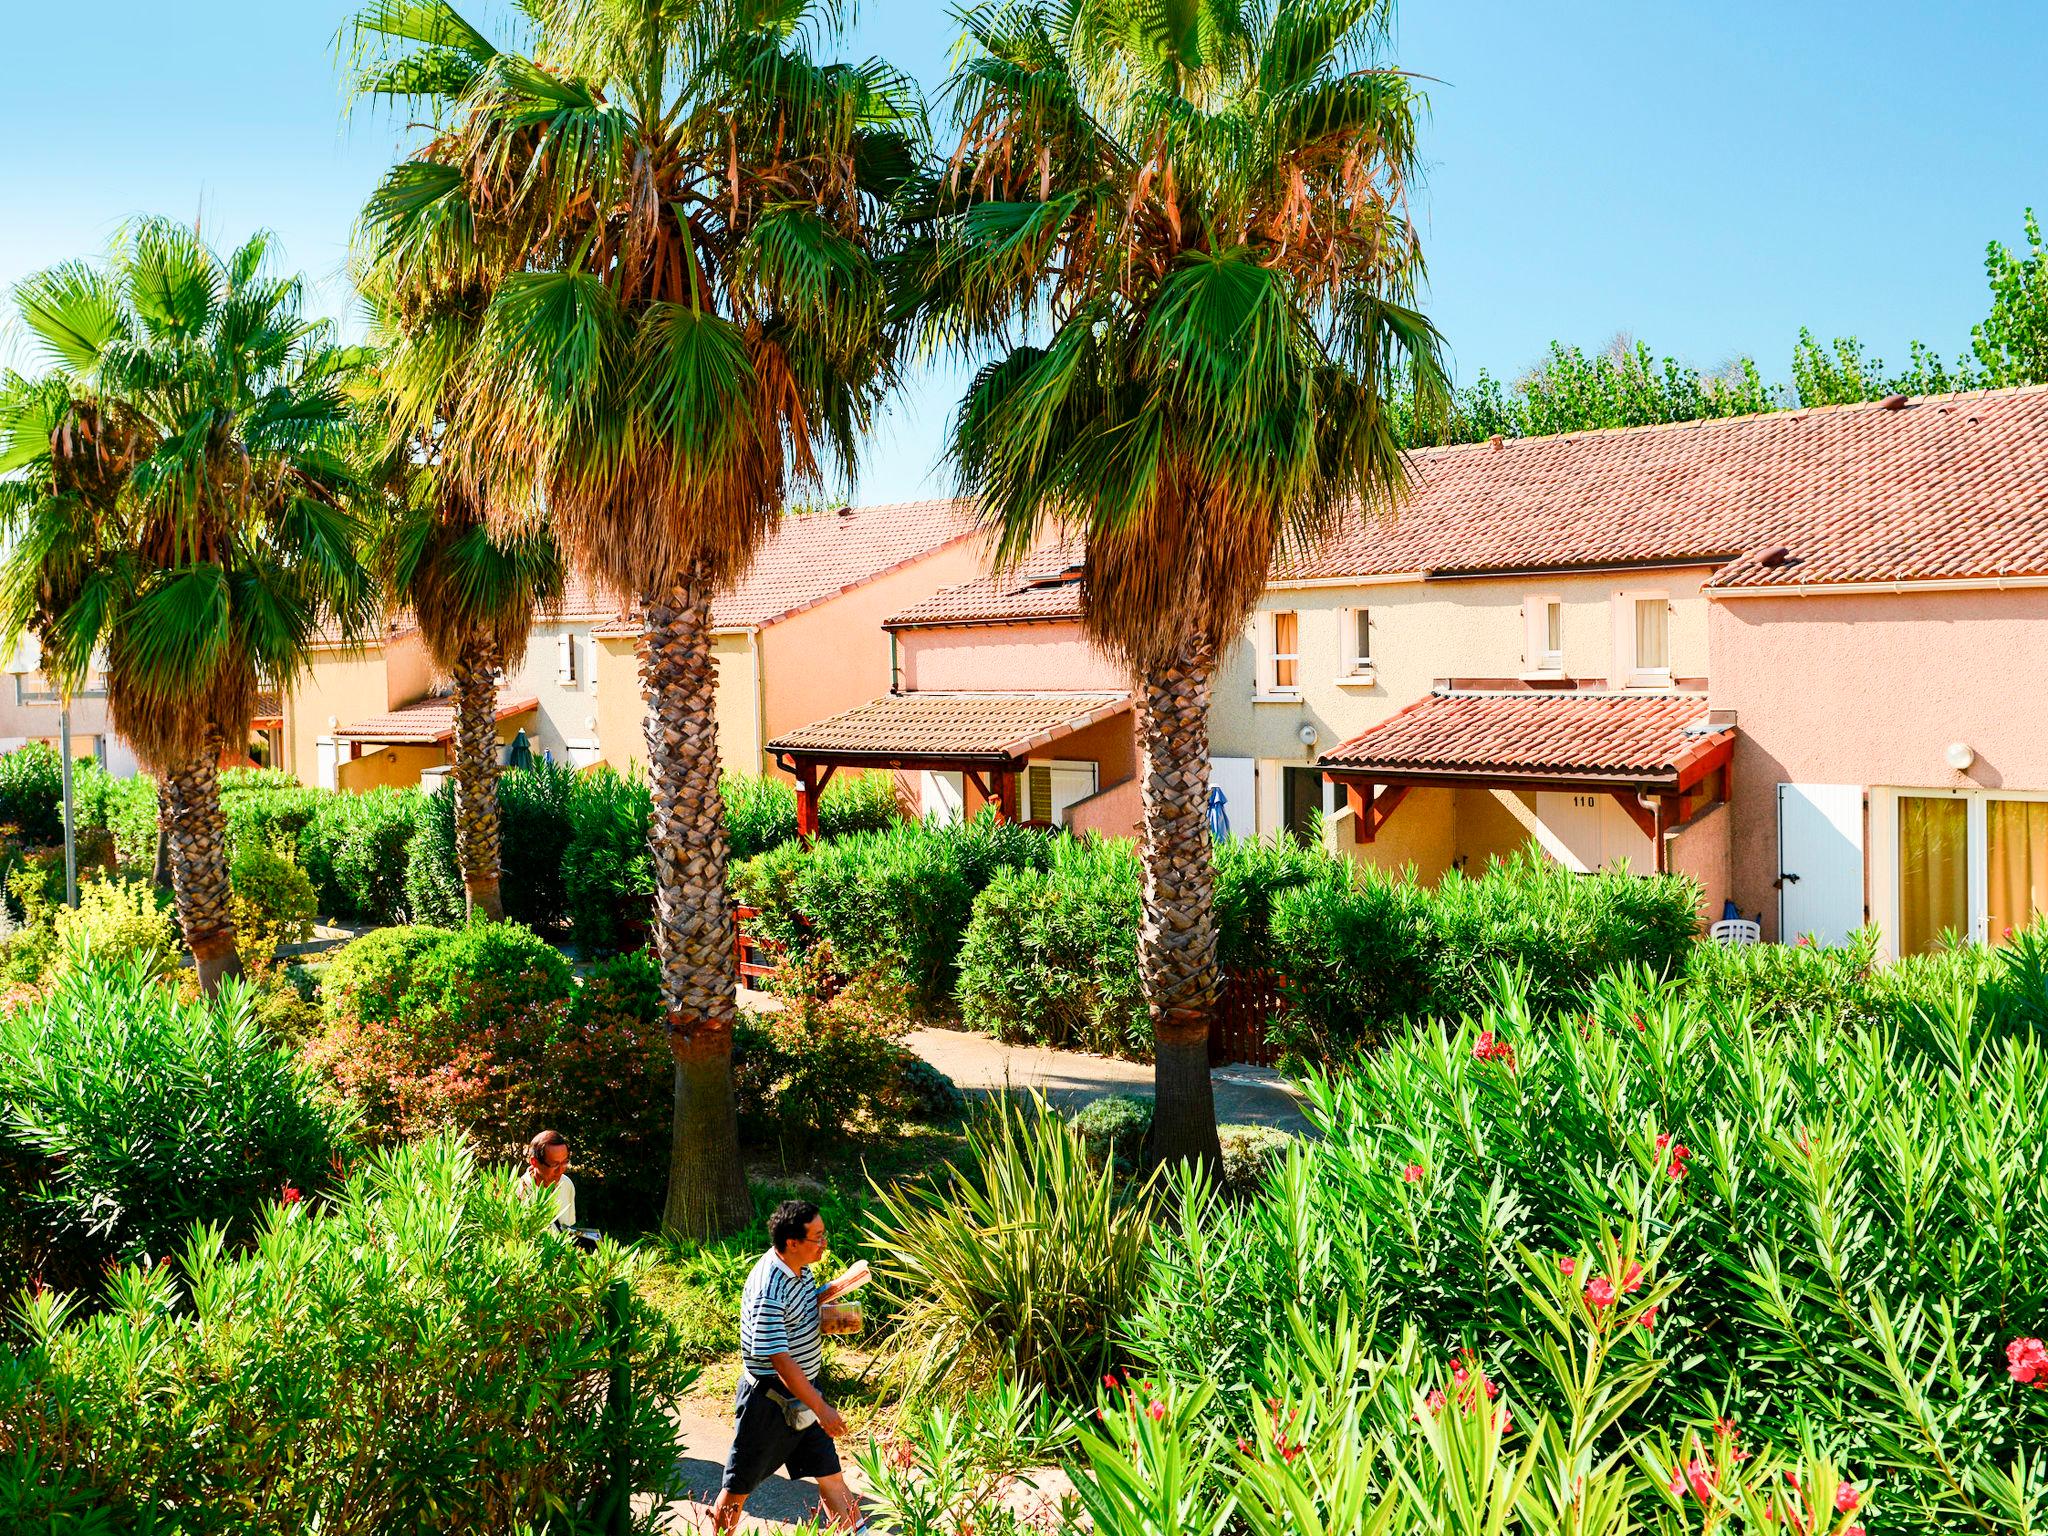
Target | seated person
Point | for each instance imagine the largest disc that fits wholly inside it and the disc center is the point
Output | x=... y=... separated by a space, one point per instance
x=547 y=1163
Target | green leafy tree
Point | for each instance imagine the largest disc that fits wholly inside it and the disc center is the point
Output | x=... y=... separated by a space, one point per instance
x=2012 y=344
x=1197 y=214
x=672 y=207
x=179 y=497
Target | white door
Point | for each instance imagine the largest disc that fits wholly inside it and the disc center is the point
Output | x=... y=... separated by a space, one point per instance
x=1820 y=861
x=1592 y=833
x=324 y=757
x=942 y=797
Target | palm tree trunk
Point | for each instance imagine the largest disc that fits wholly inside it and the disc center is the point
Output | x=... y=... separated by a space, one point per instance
x=1177 y=941
x=197 y=834
x=707 y=1186
x=475 y=675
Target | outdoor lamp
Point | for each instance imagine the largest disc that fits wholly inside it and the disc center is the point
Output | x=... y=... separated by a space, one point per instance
x=1960 y=755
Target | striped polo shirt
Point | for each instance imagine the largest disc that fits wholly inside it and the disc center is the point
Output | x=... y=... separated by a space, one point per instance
x=779 y=1315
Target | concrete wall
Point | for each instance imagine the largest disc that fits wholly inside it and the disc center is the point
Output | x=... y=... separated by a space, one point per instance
x=997 y=657
x=25 y=718
x=563 y=727
x=1425 y=630
x=1113 y=811
x=1871 y=689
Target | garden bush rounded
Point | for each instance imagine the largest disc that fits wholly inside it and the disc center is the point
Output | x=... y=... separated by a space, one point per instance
x=129 y=1112
x=32 y=794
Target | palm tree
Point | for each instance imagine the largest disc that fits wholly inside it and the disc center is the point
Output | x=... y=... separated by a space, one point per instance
x=673 y=208
x=179 y=497
x=472 y=587
x=1180 y=225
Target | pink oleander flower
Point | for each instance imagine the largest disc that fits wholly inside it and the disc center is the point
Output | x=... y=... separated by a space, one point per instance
x=1697 y=1474
x=1649 y=1318
x=2026 y=1360
x=291 y=1195
x=1600 y=1291
x=1244 y=1446
x=1847 y=1498
x=1663 y=1140
x=1155 y=1410
x=1491 y=1048
x=1111 y=1382
x=1435 y=1401
x=1566 y=1265
x=1412 y=1173
x=1679 y=1153
x=1632 y=1278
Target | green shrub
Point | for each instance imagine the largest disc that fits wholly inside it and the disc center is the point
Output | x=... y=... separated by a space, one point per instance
x=128 y=1113
x=925 y=1095
x=1051 y=955
x=421 y=1354
x=1843 y=983
x=32 y=794
x=434 y=892
x=481 y=1030
x=274 y=902
x=760 y=812
x=126 y=808
x=1022 y=1258
x=1114 y=1128
x=817 y=1068
x=1250 y=1152
x=1860 y=1215
x=608 y=878
x=1363 y=954
x=353 y=849
x=119 y=920
x=893 y=904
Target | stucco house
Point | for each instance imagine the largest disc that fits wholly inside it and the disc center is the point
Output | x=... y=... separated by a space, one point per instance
x=800 y=636
x=995 y=696
x=30 y=710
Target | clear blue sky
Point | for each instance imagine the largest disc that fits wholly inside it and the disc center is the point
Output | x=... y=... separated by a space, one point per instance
x=1707 y=177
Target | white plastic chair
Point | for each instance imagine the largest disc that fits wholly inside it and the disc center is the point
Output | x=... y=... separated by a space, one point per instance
x=1736 y=931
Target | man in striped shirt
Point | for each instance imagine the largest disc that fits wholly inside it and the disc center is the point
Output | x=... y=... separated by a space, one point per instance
x=781 y=1419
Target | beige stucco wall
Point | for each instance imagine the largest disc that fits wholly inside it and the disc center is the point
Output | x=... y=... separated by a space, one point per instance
x=344 y=686
x=560 y=723
x=1704 y=849
x=1113 y=811
x=621 y=708
x=1871 y=689
x=1426 y=630
x=23 y=718
x=387 y=768
x=967 y=657
x=621 y=712
x=1434 y=830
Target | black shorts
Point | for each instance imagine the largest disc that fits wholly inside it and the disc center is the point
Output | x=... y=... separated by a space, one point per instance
x=762 y=1441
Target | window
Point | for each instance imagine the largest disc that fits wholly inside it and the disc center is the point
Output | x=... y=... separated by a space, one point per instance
x=1361 y=640
x=1653 y=635
x=1934 y=871
x=565 y=660
x=1543 y=646
x=1286 y=652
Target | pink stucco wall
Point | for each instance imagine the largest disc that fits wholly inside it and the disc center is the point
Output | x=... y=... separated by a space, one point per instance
x=1114 y=811
x=1871 y=689
x=973 y=657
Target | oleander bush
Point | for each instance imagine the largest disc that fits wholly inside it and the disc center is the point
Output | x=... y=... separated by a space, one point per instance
x=1846 y=983
x=124 y=808
x=1362 y=953
x=608 y=884
x=1356 y=1427
x=1860 y=1212
x=417 y=1354
x=129 y=1111
x=760 y=812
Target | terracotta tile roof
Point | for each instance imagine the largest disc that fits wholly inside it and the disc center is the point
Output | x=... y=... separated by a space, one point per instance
x=583 y=599
x=1947 y=486
x=425 y=722
x=328 y=635
x=990 y=727
x=813 y=557
x=1045 y=585
x=1531 y=735
x=269 y=708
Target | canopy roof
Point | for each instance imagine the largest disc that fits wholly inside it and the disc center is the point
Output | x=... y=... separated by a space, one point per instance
x=1649 y=742
x=966 y=729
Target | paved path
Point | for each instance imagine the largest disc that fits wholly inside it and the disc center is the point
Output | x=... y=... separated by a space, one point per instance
x=703 y=1436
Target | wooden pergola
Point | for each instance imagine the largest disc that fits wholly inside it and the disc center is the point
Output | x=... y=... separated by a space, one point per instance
x=1646 y=751
x=986 y=738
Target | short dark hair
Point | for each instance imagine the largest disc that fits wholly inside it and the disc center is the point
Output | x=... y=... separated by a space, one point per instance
x=537 y=1148
x=791 y=1221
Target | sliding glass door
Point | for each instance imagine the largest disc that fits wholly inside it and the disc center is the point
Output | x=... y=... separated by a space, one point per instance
x=1972 y=865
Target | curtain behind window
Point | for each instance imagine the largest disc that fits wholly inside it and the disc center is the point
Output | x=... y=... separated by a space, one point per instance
x=1934 y=872
x=2016 y=860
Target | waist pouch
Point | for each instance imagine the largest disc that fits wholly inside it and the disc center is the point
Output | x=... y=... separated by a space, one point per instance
x=796 y=1413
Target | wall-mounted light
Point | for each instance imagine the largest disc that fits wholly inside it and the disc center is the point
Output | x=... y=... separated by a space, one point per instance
x=1960 y=755
x=1308 y=734
x=590 y=722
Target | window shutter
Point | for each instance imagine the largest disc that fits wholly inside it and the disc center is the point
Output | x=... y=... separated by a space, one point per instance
x=1040 y=798
x=565 y=658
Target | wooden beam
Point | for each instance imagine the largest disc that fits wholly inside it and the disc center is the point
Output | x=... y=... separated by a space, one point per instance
x=1006 y=795
x=1371 y=805
x=807 y=803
